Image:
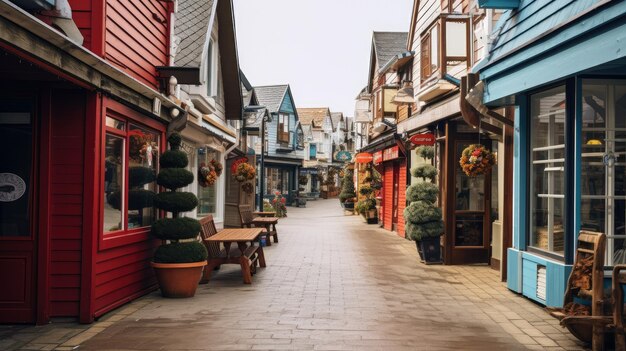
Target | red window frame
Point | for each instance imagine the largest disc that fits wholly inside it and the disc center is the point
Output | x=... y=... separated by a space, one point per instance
x=124 y=114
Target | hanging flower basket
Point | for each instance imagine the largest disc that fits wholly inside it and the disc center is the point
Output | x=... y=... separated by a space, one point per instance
x=207 y=175
x=217 y=167
x=245 y=172
x=476 y=160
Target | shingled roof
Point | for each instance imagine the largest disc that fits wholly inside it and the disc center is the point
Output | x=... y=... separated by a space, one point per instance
x=388 y=44
x=271 y=96
x=336 y=117
x=191 y=27
x=313 y=116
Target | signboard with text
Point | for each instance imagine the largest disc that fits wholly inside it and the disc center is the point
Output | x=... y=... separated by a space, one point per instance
x=363 y=157
x=378 y=157
x=423 y=139
x=391 y=153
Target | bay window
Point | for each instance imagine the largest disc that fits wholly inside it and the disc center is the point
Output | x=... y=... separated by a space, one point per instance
x=547 y=170
x=131 y=154
x=445 y=47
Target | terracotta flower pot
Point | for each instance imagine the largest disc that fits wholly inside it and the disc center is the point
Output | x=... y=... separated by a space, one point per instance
x=178 y=279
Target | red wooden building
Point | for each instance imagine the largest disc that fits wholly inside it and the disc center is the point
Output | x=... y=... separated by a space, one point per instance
x=74 y=118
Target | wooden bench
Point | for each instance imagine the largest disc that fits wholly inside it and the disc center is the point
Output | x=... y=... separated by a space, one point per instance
x=586 y=284
x=218 y=245
x=249 y=221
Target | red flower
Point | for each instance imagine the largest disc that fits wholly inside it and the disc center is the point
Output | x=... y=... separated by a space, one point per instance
x=283 y=200
x=477 y=152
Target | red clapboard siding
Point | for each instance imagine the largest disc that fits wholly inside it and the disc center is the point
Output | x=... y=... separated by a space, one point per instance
x=66 y=216
x=81 y=14
x=387 y=197
x=136 y=37
x=401 y=198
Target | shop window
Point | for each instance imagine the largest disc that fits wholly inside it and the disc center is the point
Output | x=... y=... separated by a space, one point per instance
x=283 y=128
x=207 y=191
x=603 y=171
x=547 y=170
x=277 y=180
x=130 y=167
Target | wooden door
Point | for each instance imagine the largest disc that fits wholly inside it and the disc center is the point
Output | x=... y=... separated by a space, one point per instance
x=396 y=188
x=468 y=235
x=17 y=191
x=388 y=196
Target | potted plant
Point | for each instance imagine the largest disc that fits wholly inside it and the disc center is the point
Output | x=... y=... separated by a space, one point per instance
x=367 y=209
x=279 y=205
x=179 y=261
x=347 y=195
x=423 y=220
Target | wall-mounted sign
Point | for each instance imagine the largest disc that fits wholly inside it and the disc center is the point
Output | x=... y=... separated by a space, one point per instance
x=378 y=157
x=363 y=157
x=343 y=156
x=423 y=139
x=12 y=187
x=391 y=153
x=236 y=163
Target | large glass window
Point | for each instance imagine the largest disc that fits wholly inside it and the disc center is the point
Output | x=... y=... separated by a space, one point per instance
x=207 y=190
x=547 y=170
x=130 y=166
x=603 y=171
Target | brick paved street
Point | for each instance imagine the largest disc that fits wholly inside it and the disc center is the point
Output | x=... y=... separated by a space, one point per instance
x=333 y=283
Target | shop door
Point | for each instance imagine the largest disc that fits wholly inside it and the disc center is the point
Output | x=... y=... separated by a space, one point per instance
x=388 y=196
x=396 y=187
x=17 y=237
x=471 y=227
x=603 y=171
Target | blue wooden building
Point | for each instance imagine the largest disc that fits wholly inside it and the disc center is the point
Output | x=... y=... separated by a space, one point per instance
x=284 y=141
x=562 y=64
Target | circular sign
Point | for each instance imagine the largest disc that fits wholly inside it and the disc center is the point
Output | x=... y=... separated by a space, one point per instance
x=343 y=156
x=12 y=187
x=423 y=139
x=363 y=157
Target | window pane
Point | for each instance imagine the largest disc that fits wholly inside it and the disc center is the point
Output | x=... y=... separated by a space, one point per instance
x=547 y=168
x=434 y=47
x=207 y=188
x=16 y=159
x=456 y=39
x=143 y=155
x=286 y=123
x=113 y=183
x=470 y=191
x=114 y=123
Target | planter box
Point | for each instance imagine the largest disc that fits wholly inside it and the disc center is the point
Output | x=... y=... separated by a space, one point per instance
x=429 y=250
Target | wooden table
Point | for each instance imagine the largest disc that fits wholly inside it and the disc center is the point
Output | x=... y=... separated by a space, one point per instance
x=269 y=223
x=244 y=238
x=264 y=213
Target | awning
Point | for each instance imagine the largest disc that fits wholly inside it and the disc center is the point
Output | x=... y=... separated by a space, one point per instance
x=382 y=143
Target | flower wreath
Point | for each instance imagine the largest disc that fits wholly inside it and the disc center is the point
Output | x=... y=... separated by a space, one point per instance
x=476 y=160
x=207 y=175
x=245 y=172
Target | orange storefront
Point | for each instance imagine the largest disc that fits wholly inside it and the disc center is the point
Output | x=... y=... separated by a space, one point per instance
x=391 y=163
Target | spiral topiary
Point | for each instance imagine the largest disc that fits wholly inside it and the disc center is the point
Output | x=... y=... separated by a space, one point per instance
x=425 y=172
x=347 y=189
x=174 y=176
x=138 y=198
x=422 y=191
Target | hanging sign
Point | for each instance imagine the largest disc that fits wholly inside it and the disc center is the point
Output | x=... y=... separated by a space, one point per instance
x=391 y=153
x=363 y=157
x=378 y=157
x=236 y=163
x=423 y=139
x=343 y=156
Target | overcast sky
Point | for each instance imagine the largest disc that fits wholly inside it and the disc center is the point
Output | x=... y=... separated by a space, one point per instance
x=320 y=47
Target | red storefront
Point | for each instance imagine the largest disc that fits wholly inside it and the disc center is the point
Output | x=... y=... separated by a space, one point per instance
x=74 y=119
x=391 y=163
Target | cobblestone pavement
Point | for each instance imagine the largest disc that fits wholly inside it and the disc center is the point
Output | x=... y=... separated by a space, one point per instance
x=332 y=283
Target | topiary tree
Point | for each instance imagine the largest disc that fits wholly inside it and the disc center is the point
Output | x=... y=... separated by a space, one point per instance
x=347 y=190
x=180 y=233
x=423 y=219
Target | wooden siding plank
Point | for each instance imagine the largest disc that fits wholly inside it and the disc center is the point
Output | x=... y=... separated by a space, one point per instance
x=117 y=297
x=65 y=256
x=130 y=25
x=64 y=281
x=63 y=309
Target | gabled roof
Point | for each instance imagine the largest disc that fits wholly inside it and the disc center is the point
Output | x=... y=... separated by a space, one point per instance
x=336 y=117
x=247 y=91
x=313 y=116
x=271 y=96
x=193 y=20
x=387 y=45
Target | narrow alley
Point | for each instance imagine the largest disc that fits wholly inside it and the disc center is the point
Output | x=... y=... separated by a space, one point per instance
x=333 y=283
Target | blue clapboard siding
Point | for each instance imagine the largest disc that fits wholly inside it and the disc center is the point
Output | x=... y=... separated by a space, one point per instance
x=556 y=279
x=543 y=57
x=513 y=270
x=286 y=106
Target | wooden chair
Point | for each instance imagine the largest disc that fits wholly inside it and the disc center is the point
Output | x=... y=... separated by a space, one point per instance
x=587 y=286
x=269 y=223
x=217 y=255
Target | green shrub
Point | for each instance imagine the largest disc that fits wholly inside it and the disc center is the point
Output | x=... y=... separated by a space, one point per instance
x=175 y=140
x=174 y=178
x=422 y=191
x=426 y=172
x=366 y=190
x=137 y=199
x=176 y=228
x=176 y=201
x=173 y=159
x=347 y=189
x=180 y=253
x=424 y=230
x=140 y=176
x=427 y=152
x=419 y=212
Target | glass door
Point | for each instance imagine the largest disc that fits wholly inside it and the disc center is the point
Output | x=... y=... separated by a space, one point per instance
x=603 y=173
